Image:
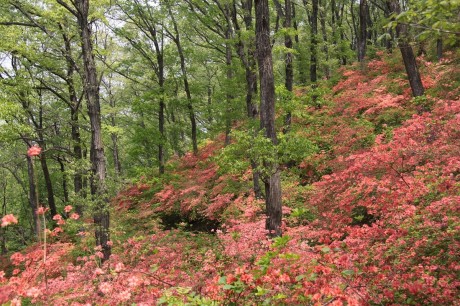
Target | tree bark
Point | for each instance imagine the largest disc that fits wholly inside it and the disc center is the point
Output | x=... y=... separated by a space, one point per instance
x=246 y=53
x=314 y=42
x=33 y=195
x=74 y=105
x=362 y=37
x=289 y=69
x=267 y=115
x=191 y=111
x=439 y=49
x=98 y=164
x=228 y=63
x=65 y=189
x=407 y=53
x=48 y=183
x=325 y=48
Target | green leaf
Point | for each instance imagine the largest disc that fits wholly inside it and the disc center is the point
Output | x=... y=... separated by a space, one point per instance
x=348 y=272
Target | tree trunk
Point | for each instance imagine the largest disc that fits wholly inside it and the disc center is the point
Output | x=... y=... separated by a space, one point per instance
x=246 y=53
x=191 y=111
x=362 y=37
x=314 y=42
x=98 y=164
x=325 y=48
x=33 y=195
x=65 y=190
x=48 y=183
x=78 y=155
x=228 y=63
x=267 y=115
x=75 y=125
x=114 y=136
x=407 y=53
x=289 y=69
x=439 y=49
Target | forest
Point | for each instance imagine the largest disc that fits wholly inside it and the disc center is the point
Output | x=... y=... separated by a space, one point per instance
x=230 y=152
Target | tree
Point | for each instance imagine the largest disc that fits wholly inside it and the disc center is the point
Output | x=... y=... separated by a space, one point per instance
x=407 y=53
x=267 y=115
x=362 y=36
x=101 y=216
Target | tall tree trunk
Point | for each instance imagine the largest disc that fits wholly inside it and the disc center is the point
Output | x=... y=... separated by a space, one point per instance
x=191 y=111
x=246 y=53
x=228 y=63
x=407 y=53
x=114 y=136
x=314 y=42
x=33 y=195
x=289 y=69
x=65 y=189
x=98 y=164
x=48 y=183
x=267 y=115
x=325 y=48
x=75 y=125
x=78 y=155
x=362 y=37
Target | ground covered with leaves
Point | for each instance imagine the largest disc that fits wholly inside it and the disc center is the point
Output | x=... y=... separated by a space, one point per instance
x=371 y=213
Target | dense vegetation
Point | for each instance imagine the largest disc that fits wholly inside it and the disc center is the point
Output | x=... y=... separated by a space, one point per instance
x=244 y=160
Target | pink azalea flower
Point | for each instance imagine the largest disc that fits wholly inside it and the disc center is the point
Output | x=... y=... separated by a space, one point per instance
x=68 y=208
x=35 y=150
x=74 y=216
x=41 y=210
x=9 y=219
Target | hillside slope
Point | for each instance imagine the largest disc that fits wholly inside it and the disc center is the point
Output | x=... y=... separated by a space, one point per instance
x=371 y=213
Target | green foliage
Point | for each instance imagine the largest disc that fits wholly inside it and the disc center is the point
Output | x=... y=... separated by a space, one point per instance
x=295 y=147
x=183 y=296
x=423 y=104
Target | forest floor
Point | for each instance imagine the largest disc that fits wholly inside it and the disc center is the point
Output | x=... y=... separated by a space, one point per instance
x=371 y=212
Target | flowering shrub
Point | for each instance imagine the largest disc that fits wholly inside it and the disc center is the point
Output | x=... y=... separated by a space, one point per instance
x=371 y=217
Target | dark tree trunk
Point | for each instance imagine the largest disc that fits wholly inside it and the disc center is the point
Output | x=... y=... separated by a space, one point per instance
x=98 y=164
x=65 y=189
x=48 y=183
x=75 y=125
x=191 y=111
x=114 y=136
x=362 y=37
x=209 y=102
x=300 y=58
x=289 y=69
x=228 y=63
x=314 y=42
x=33 y=195
x=353 y=26
x=439 y=49
x=325 y=48
x=407 y=53
x=246 y=53
x=161 y=129
x=267 y=115
x=78 y=155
